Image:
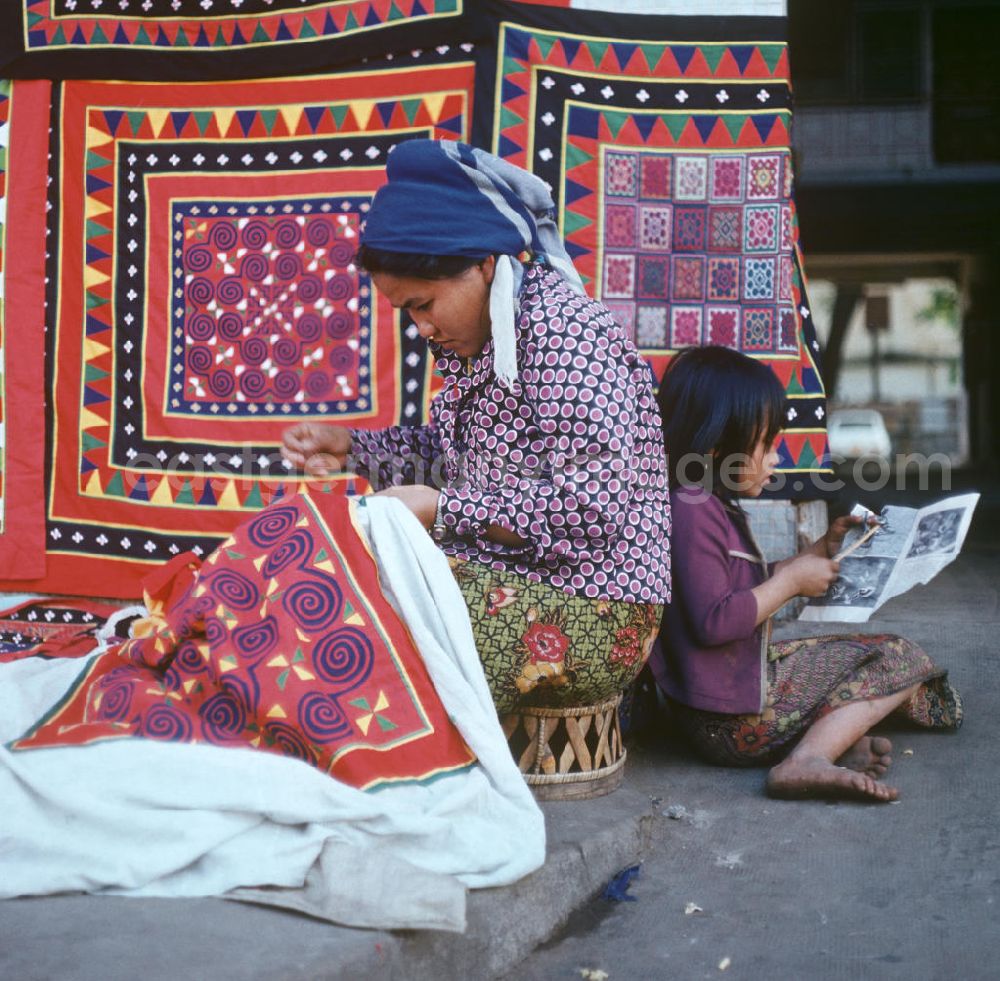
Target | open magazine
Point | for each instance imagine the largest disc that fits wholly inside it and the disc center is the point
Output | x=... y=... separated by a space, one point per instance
x=910 y=546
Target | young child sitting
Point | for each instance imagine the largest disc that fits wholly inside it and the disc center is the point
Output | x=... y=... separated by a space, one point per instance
x=804 y=705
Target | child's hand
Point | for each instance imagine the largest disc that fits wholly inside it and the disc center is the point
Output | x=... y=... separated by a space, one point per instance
x=832 y=541
x=812 y=574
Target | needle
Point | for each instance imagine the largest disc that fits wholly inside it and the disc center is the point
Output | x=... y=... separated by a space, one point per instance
x=872 y=529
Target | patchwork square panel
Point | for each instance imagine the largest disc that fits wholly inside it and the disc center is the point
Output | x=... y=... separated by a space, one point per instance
x=215 y=300
x=692 y=138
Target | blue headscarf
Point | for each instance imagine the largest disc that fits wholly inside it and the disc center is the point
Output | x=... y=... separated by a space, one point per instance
x=446 y=198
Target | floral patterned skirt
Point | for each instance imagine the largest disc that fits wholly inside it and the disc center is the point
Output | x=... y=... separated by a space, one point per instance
x=808 y=678
x=541 y=646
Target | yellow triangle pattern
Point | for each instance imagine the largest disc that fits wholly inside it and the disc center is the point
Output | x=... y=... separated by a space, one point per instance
x=96 y=207
x=292 y=115
x=97 y=137
x=92 y=278
x=162 y=495
x=277 y=712
x=435 y=103
x=363 y=109
x=157 y=119
x=93 y=349
x=90 y=420
x=94 y=488
x=229 y=499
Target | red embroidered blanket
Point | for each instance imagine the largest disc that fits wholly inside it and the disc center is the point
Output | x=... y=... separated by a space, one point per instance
x=281 y=641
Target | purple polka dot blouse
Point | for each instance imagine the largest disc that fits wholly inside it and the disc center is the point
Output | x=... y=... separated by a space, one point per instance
x=571 y=458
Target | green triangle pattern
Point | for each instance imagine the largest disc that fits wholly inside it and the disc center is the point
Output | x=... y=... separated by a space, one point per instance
x=771 y=53
x=95 y=229
x=598 y=49
x=616 y=121
x=254 y=498
x=509 y=118
x=653 y=53
x=713 y=54
x=572 y=223
x=269 y=116
x=89 y=442
x=734 y=123
x=115 y=488
x=545 y=46
x=574 y=156
x=411 y=107
x=185 y=495
x=675 y=124
x=807 y=458
x=202 y=119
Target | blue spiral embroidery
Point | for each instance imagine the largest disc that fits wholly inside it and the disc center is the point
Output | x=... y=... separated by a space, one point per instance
x=165 y=722
x=288 y=741
x=271 y=525
x=293 y=549
x=223 y=717
x=315 y=604
x=234 y=589
x=322 y=719
x=257 y=639
x=344 y=658
x=116 y=689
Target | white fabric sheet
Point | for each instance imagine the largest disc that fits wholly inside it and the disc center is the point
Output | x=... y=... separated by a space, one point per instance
x=163 y=819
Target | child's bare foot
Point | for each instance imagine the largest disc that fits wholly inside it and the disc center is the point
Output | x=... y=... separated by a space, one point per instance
x=815 y=776
x=870 y=754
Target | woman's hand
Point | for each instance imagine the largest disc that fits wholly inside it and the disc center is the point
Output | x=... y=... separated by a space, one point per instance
x=316 y=448
x=419 y=498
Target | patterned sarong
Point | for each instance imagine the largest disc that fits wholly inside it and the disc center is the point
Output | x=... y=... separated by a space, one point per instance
x=281 y=641
x=807 y=679
x=541 y=646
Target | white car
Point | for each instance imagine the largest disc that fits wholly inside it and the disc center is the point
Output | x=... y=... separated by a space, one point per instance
x=858 y=434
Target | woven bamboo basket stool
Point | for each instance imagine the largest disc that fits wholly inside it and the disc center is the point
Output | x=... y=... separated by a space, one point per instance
x=568 y=753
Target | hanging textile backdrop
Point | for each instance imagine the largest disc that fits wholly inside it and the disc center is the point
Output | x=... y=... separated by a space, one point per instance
x=191 y=254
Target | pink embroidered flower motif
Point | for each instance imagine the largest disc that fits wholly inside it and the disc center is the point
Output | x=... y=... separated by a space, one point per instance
x=627 y=648
x=722 y=324
x=499 y=597
x=545 y=642
x=686 y=328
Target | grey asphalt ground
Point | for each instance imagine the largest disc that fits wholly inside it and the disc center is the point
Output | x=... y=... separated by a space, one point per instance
x=786 y=890
x=819 y=890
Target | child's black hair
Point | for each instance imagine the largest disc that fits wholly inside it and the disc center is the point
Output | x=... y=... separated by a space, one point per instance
x=416 y=265
x=714 y=399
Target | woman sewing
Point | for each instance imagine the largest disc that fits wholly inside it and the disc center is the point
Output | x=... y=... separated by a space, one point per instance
x=541 y=473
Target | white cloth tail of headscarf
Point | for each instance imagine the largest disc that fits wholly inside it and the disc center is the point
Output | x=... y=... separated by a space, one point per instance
x=492 y=176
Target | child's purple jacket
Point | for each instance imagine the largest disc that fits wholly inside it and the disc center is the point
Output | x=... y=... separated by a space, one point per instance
x=711 y=656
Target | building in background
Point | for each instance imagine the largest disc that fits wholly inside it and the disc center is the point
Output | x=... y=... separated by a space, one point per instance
x=897 y=142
